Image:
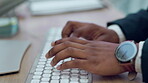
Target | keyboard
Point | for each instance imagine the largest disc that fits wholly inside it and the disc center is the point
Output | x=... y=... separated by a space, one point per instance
x=43 y=72
x=47 y=7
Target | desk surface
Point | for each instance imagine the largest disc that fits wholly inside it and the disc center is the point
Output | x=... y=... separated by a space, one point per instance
x=34 y=29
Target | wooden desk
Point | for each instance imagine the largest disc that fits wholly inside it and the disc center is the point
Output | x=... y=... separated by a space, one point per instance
x=34 y=29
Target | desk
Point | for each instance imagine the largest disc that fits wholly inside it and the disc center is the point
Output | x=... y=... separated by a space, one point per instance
x=34 y=29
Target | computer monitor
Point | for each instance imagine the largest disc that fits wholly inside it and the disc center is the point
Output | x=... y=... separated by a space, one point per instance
x=6 y=5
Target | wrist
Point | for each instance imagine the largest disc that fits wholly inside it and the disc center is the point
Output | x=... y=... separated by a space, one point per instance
x=126 y=54
x=116 y=28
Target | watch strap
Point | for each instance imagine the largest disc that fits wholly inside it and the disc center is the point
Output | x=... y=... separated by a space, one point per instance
x=128 y=66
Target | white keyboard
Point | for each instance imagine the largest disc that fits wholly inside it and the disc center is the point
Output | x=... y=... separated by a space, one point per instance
x=43 y=72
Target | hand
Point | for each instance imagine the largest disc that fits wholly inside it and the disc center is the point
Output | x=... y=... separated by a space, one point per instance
x=94 y=56
x=89 y=31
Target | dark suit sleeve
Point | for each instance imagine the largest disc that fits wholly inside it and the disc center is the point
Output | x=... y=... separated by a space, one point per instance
x=134 y=26
x=144 y=62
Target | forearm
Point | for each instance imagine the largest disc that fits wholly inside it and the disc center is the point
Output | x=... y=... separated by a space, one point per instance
x=141 y=58
x=134 y=26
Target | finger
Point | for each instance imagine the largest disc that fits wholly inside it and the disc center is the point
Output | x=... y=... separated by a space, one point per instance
x=78 y=33
x=68 y=52
x=101 y=38
x=53 y=44
x=62 y=46
x=77 y=63
x=67 y=30
x=72 y=39
x=70 y=27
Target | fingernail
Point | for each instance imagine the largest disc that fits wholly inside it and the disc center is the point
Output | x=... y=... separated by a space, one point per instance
x=58 y=67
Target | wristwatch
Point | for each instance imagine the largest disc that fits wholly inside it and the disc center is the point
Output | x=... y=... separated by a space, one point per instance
x=126 y=53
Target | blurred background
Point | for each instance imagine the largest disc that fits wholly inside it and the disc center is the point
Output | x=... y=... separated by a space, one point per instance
x=130 y=6
x=9 y=15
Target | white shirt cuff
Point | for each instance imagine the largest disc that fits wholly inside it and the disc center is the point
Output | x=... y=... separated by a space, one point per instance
x=138 y=58
x=119 y=32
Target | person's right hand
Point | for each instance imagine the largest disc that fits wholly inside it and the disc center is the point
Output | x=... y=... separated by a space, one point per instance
x=89 y=31
x=97 y=57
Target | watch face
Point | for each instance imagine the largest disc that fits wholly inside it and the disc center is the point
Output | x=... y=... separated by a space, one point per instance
x=126 y=51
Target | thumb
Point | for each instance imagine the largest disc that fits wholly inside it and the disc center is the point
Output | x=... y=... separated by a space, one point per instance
x=76 y=34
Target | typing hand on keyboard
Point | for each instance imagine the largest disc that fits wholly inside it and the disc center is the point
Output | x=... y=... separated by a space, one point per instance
x=95 y=54
x=45 y=73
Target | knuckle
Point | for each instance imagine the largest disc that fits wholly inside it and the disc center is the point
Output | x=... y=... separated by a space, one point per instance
x=52 y=50
x=66 y=43
x=65 y=65
x=70 y=50
x=58 y=41
x=72 y=38
x=76 y=62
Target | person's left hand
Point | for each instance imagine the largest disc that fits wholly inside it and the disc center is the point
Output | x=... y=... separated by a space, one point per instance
x=94 y=56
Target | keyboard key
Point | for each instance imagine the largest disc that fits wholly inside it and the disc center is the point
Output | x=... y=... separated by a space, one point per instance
x=55 y=77
x=54 y=81
x=46 y=75
x=83 y=76
x=48 y=68
x=39 y=69
x=48 y=62
x=74 y=71
x=38 y=73
x=83 y=72
x=64 y=81
x=40 y=66
x=56 y=73
x=66 y=70
x=65 y=73
x=36 y=77
x=35 y=81
x=84 y=80
x=41 y=63
x=43 y=59
x=68 y=59
x=74 y=75
x=45 y=79
x=47 y=71
x=65 y=76
x=74 y=79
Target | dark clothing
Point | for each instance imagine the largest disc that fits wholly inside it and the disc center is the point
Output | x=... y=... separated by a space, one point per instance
x=135 y=27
